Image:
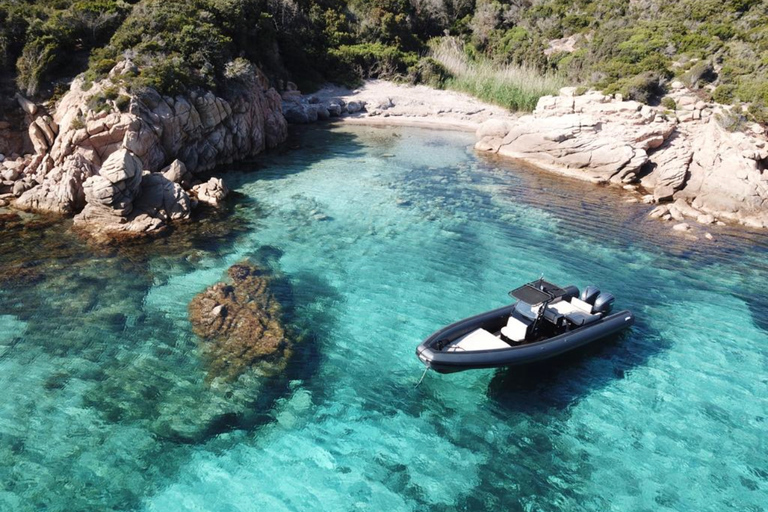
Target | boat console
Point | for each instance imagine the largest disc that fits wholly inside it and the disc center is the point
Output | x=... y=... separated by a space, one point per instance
x=546 y=309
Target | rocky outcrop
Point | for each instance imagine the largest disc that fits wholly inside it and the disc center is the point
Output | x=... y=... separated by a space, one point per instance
x=670 y=164
x=122 y=197
x=302 y=110
x=211 y=192
x=727 y=175
x=589 y=136
x=687 y=155
x=240 y=323
x=177 y=172
x=73 y=168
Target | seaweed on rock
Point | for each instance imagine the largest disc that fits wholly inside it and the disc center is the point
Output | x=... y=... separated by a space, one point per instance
x=241 y=325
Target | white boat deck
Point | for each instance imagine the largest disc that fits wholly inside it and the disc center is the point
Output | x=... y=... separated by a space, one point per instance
x=576 y=311
x=479 y=339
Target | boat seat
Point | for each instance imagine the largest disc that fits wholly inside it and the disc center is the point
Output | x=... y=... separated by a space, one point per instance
x=580 y=304
x=516 y=330
x=577 y=311
x=479 y=339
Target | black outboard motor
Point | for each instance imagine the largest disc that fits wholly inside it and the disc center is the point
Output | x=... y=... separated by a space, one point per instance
x=603 y=303
x=570 y=292
x=589 y=294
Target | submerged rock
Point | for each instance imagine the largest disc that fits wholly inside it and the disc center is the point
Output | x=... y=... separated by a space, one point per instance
x=240 y=324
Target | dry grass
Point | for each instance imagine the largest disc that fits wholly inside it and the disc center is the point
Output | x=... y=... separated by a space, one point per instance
x=517 y=88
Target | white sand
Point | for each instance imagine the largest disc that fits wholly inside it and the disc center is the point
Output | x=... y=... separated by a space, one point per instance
x=388 y=103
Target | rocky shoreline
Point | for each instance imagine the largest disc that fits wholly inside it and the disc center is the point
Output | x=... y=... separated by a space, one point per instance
x=123 y=163
x=131 y=164
x=699 y=161
x=687 y=160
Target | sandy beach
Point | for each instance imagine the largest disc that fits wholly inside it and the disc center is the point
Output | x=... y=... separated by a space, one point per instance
x=388 y=103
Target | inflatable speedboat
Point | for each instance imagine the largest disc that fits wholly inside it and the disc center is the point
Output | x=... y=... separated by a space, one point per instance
x=545 y=321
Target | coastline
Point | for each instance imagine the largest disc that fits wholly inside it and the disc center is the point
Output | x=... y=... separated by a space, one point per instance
x=653 y=155
x=686 y=161
x=409 y=122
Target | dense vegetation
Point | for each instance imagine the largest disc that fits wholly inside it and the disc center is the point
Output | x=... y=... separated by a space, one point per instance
x=637 y=47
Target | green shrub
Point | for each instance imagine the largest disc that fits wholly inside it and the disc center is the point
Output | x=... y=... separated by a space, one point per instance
x=668 y=103
x=99 y=103
x=733 y=120
x=724 y=93
x=238 y=69
x=646 y=87
x=53 y=32
x=374 y=60
x=430 y=72
x=36 y=59
x=700 y=73
x=78 y=123
x=110 y=92
x=758 y=112
x=122 y=102
x=169 y=76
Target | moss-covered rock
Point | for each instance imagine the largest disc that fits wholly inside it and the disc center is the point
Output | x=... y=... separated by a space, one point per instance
x=240 y=324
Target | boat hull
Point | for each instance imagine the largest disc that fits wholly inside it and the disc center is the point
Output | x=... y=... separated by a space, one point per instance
x=450 y=362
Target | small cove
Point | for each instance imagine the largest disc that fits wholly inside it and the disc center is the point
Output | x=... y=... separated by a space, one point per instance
x=380 y=236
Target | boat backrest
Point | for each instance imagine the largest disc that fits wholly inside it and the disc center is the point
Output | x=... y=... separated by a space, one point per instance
x=516 y=330
x=580 y=304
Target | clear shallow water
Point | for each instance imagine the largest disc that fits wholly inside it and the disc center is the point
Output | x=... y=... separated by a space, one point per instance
x=380 y=236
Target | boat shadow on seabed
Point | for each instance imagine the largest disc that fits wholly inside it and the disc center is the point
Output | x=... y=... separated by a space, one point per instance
x=561 y=382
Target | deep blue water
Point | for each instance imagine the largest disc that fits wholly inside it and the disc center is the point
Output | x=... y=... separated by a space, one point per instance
x=377 y=237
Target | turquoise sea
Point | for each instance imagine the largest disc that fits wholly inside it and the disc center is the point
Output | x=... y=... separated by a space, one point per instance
x=377 y=237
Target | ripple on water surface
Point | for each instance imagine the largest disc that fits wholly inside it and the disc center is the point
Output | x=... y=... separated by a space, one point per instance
x=381 y=236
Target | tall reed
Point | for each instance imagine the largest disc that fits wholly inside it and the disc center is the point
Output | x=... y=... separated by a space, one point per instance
x=517 y=88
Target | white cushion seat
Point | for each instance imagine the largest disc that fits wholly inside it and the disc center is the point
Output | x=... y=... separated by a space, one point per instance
x=580 y=304
x=479 y=339
x=515 y=329
x=576 y=311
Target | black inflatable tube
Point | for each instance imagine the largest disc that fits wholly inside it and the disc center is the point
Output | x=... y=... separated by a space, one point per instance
x=450 y=362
